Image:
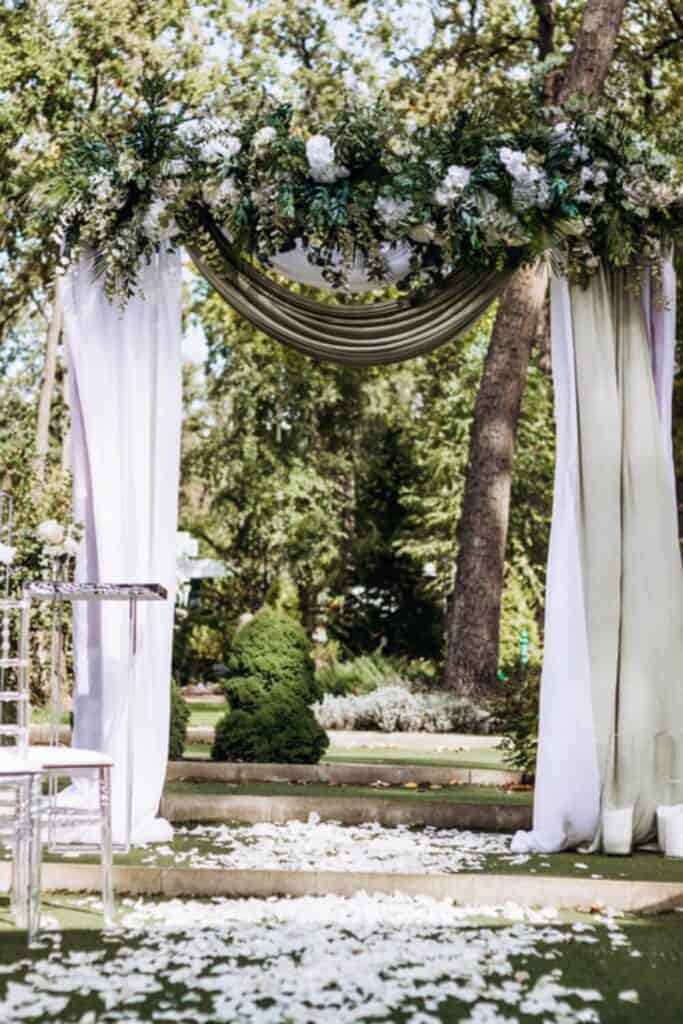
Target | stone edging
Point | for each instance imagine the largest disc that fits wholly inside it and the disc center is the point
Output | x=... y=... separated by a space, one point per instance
x=468 y=889
x=388 y=811
x=336 y=774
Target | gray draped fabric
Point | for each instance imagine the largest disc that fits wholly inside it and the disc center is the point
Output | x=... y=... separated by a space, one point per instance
x=633 y=581
x=357 y=335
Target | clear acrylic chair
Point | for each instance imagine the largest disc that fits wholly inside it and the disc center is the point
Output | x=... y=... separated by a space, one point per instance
x=21 y=804
x=21 y=779
x=67 y=825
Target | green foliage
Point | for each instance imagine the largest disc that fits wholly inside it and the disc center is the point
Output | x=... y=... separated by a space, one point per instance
x=359 y=675
x=515 y=709
x=180 y=717
x=283 y=730
x=369 y=672
x=464 y=192
x=245 y=693
x=272 y=649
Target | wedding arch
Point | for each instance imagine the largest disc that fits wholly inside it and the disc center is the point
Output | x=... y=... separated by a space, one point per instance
x=442 y=215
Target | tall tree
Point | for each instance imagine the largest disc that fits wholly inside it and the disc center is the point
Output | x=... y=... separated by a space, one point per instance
x=473 y=620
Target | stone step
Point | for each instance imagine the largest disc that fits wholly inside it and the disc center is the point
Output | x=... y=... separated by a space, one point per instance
x=467 y=889
x=388 y=811
x=337 y=774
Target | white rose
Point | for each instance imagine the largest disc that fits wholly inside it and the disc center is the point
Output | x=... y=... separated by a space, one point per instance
x=177 y=167
x=50 y=532
x=7 y=554
x=211 y=151
x=391 y=212
x=514 y=161
x=320 y=151
x=322 y=160
x=263 y=137
x=221 y=147
x=456 y=181
x=457 y=177
x=151 y=223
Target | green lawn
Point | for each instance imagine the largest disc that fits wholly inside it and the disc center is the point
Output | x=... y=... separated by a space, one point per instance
x=485 y=758
x=206 y=712
x=457 y=794
x=163 y=987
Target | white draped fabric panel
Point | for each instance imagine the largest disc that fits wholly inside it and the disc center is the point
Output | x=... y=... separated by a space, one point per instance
x=126 y=407
x=569 y=782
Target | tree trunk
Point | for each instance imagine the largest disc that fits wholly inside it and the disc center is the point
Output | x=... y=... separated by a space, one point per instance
x=473 y=614
x=47 y=383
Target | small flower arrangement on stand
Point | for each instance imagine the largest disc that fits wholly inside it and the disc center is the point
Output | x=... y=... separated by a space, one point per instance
x=60 y=545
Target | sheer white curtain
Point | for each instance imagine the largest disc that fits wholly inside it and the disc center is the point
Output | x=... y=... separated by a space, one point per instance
x=126 y=407
x=568 y=785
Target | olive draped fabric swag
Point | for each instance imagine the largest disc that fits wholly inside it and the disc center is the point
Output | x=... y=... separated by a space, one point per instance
x=615 y=586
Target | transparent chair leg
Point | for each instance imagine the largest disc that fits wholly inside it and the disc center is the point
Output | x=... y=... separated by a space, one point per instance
x=35 y=860
x=106 y=847
x=20 y=866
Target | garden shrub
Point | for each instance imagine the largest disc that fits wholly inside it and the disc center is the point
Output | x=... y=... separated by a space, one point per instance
x=283 y=730
x=180 y=717
x=515 y=710
x=398 y=709
x=274 y=649
x=244 y=693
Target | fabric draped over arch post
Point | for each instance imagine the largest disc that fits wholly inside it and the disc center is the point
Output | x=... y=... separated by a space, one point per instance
x=126 y=407
x=615 y=585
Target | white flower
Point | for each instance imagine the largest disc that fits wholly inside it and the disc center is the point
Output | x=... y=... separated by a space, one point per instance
x=220 y=196
x=600 y=178
x=220 y=148
x=50 y=532
x=320 y=151
x=101 y=186
x=322 y=160
x=151 y=223
x=7 y=554
x=178 y=167
x=456 y=181
x=263 y=137
x=514 y=161
x=391 y=212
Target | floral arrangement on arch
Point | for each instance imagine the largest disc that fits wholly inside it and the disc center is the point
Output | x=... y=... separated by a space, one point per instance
x=583 y=189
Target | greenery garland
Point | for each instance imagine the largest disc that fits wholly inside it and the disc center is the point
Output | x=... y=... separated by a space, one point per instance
x=582 y=189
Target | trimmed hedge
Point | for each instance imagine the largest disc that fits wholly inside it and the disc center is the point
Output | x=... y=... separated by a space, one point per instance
x=180 y=717
x=283 y=730
x=272 y=649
